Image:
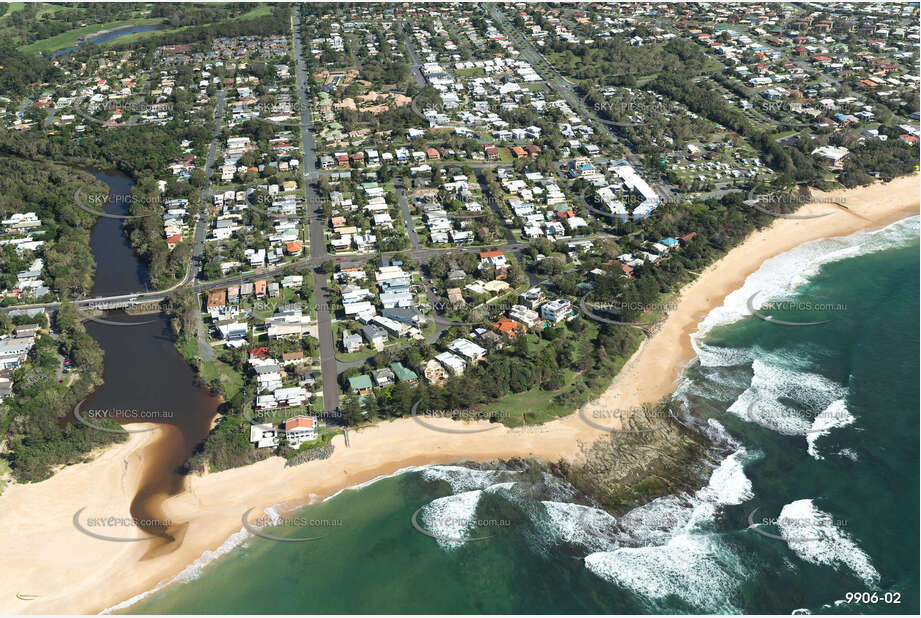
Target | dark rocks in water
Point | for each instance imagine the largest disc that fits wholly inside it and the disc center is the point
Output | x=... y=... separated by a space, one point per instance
x=654 y=455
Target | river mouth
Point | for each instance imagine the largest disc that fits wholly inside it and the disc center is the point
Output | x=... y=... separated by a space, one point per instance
x=145 y=379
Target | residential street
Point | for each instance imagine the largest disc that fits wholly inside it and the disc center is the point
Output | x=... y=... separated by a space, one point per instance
x=313 y=209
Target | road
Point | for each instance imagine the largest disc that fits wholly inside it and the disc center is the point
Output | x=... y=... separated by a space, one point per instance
x=415 y=64
x=205 y=351
x=201 y=223
x=407 y=218
x=316 y=221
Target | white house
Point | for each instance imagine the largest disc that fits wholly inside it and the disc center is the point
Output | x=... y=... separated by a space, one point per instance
x=300 y=429
x=454 y=364
x=263 y=435
x=556 y=310
x=468 y=350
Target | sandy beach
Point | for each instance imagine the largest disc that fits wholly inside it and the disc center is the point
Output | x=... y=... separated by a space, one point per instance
x=70 y=572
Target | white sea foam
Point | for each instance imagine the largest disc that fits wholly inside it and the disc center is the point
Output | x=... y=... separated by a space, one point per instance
x=717 y=433
x=589 y=527
x=696 y=568
x=272 y=514
x=717 y=356
x=450 y=518
x=463 y=479
x=763 y=402
x=728 y=483
x=849 y=453
x=779 y=276
x=500 y=487
x=816 y=537
x=835 y=415
x=556 y=488
x=679 y=554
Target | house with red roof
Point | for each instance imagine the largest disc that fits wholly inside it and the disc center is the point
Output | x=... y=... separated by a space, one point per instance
x=509 y=327
x=300 y=429
x=496 y=258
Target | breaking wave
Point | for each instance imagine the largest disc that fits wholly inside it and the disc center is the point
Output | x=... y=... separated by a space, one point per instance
x=773 y=280
x=814 y=537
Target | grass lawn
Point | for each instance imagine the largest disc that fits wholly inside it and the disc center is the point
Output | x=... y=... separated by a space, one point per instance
x=535 y=405
x=268 y=306
x=188 y=348
x=69 y=38
x=212 y=370
x=231 y=380
x=259 y=11
x=12 y=7
x=324 y=439
x=276 y=417
x=344 y=357
x=474 y=72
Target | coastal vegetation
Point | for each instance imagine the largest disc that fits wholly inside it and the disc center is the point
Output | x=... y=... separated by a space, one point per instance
x=141 y=152
x=22 y=70
x=221 y=378
x=48 y=191
x=41 y=431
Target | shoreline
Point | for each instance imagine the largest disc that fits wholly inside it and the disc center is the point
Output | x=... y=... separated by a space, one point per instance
x=49 y=558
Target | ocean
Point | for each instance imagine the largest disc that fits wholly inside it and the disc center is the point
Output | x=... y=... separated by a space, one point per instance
x=817 y=501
